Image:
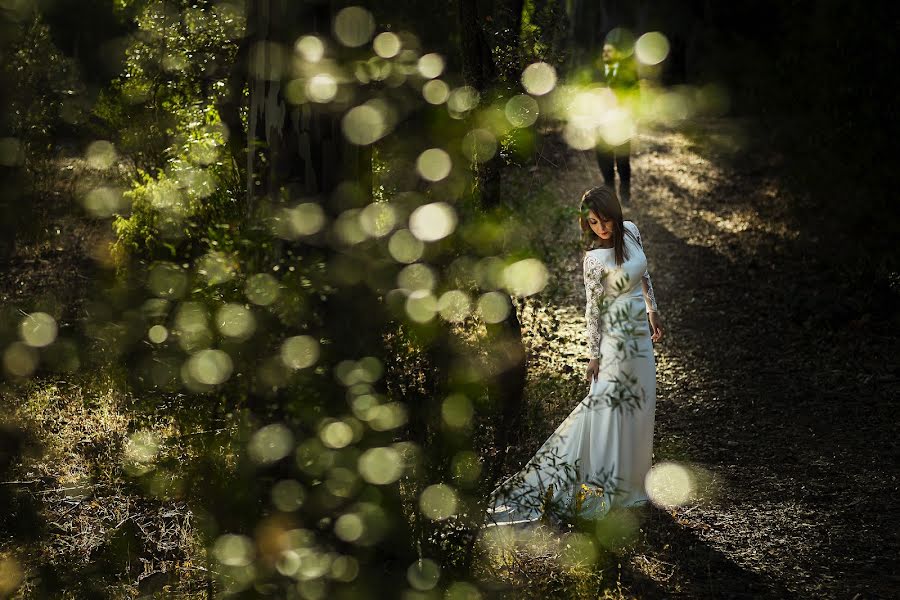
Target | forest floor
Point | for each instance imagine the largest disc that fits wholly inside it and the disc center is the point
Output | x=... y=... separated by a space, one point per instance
x=780 y=397
x=777 y=392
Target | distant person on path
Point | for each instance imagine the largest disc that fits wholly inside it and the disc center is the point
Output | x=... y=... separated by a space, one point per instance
x=620 y=75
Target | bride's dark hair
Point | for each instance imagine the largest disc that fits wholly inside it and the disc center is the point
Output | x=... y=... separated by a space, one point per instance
x=604 y=202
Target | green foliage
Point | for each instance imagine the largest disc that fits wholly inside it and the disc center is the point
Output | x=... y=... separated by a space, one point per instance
x=39 y=85
x=544 y=30
x=187 y=207
x=178 y=58
x=44 y=81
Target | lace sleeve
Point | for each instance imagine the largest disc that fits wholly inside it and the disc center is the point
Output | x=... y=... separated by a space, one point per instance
x=646 y=283
x=593 y=289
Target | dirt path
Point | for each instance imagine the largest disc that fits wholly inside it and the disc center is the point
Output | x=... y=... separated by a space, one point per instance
x=790 y=415
x=786 y=399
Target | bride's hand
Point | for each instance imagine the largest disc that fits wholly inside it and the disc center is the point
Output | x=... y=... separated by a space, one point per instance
x=593 y=369
x=656 y=329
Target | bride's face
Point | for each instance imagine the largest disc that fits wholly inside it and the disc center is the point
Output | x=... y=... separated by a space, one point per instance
x=601 y=226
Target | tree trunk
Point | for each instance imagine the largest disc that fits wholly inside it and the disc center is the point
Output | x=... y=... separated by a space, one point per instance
x=481 y=72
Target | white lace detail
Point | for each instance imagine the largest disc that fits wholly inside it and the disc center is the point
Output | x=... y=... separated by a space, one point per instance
x=593 y=289
x=646 y=283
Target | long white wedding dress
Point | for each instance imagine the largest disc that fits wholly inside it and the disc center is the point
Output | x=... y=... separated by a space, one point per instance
x=602 y=451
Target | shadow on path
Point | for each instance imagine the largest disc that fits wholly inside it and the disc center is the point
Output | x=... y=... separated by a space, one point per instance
x=745 y=392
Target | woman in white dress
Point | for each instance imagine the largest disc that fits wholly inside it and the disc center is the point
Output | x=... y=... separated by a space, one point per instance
x=600 y=454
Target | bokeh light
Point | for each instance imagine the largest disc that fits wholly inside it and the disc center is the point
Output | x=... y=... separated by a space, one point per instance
x=158 y=334
x=488 y=272
x=235 y=321
x=578 y=550
x=462 y=590
x=167 y=281
x=348 y=228
x=38 y=330
x=580 y=138
x=466 y=467
x=521 y=110
x=321 y=88
x=457 y=411
x=310 y=48
x=262 y=289
x=349 y=527
x=191 y=324
x=234 y=550
x=651 y=48
x=305 y=219
x=210 y=366
x=300 y=352
x=493 y=307
x=378 y=219
x=364 y=124
x=344 y=569
x=618 y=127
x=435 y=91
x=423 y=574
x=354 y=26
x=454 y=306
x=670 y=484
x=421 y=306
x=405 y=247
x=525 y=277
x=539 y=78
x=387 y=44
x=271 y=443
x=366 y=370
x=416 y=277
x=479 y=145
x=20 y=359
x=216 y=268
x=288 y=495
x=438 y=501
x=462 y=100
x=104 y=201
x=617 y=530
x=431 y=65
x=100 y=155
x=142 y=447
x=336 y=434
x=672 y=107
x=380 y=466
x=432 y=222
x=434 y=164
x=385 y=417
x=11 y=576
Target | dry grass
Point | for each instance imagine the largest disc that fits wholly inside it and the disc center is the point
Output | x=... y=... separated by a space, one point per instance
x=96 y=518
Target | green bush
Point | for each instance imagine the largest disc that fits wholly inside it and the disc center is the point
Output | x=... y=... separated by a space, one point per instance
x=181 y=211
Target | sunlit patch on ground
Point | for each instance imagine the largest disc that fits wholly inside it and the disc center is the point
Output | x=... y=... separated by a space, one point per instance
x=677 y=189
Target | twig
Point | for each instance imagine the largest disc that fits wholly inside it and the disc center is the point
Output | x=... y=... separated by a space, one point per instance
x=66 y=489
x=73 y=507
x=205 y=432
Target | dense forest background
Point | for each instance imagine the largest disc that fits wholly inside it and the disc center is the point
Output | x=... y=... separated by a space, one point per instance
x=276 y=292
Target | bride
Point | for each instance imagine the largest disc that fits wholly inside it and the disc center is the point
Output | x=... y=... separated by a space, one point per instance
x=600 y=454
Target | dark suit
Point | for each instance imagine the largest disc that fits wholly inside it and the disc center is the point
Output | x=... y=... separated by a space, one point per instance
x=620 y=76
